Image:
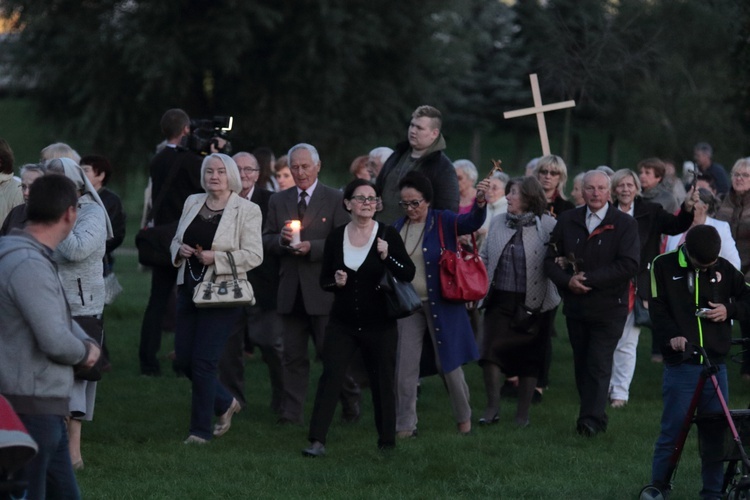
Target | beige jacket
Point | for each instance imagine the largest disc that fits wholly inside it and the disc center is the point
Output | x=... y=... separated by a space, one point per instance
x=239 y=232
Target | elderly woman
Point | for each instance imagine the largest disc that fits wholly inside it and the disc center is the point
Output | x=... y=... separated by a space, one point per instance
x=354 y=260
x=213 y=225
x=735 y=209
x=447 y=323
x=703 y=212
x=552 y=174
x=467 y=175
x=576 y=193
x=653 y=221
x=79 y=260
x=520 y=296
x=16 y=218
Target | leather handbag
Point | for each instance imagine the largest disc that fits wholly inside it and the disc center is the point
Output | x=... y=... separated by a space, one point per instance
x=234 y=293
x=463 y=276
x=641 y=315
x=401 y=300
x=153 y=244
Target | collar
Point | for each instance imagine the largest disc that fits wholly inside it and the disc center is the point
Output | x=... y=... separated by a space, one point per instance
x=601 y=213
x=250 y=193
x=309 y=191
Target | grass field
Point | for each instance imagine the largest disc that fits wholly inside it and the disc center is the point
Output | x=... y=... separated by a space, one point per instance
x=133 y=448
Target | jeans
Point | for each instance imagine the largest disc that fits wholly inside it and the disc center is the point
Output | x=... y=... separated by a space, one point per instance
x=50 y=473
x=678 y=386
x=200 y=335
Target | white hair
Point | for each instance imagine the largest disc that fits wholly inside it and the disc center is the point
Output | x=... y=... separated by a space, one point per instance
x=234 y=183
x=309 y=147
x=468 y=168
x=382 y=153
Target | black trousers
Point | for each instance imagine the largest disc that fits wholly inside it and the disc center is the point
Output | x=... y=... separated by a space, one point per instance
x=162 y=283
x=379 y=354
x=594 y=343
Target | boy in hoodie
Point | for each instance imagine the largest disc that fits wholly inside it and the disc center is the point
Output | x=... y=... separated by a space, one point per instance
x=41 y=343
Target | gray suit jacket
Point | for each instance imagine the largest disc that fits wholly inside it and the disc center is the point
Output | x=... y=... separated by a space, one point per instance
x=325 y=212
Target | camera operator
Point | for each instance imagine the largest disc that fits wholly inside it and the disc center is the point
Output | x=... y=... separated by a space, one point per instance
x=695 y=294
x=175 y=175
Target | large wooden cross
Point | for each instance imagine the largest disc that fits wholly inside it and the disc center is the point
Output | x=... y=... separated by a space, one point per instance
x=539 y=111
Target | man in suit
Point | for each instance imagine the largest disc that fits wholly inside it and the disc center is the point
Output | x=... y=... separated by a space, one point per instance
x=302 y=306
x=424 y=151
x=175 y=175
x=258 y=325
x=594 y=253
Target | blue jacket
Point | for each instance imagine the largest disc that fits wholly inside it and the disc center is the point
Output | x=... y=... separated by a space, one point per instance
x=453 y=334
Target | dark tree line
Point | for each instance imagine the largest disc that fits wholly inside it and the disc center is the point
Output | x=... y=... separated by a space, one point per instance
x=344 y=74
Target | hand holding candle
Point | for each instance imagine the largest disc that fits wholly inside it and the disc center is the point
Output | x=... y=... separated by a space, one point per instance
x=295 y=225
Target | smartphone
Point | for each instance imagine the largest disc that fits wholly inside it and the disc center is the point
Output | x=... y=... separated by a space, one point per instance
x=701 y=313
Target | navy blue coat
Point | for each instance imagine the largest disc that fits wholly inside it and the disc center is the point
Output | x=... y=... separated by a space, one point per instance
x=453 y=334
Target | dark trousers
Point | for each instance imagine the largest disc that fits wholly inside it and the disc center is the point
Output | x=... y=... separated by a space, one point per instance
x=50 y=473
x=379 y=354
x=200 y=335
x=296 y=330
x=162 y=283
x=745 y=332
x=262 y=328
x=594 y=343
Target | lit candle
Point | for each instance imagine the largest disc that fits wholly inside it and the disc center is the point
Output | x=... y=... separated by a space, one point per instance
x=295 y=225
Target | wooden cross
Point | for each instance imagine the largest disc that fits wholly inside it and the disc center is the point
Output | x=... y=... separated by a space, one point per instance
x=539 y=111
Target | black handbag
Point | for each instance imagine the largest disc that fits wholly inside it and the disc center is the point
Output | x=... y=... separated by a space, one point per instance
x=153 y=244
x=641 y=315
x=401 y=299
x=92 y=325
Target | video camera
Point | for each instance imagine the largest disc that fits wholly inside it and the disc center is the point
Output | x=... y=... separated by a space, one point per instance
x=205 y=132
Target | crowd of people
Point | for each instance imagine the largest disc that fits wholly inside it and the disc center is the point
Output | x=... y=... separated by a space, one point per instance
x=316 y=257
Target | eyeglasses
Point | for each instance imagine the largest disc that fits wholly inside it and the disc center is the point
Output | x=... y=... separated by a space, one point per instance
x=249 y=170
x=365 y=199
x=410 y=204
x=744 y=175
x=548 y=172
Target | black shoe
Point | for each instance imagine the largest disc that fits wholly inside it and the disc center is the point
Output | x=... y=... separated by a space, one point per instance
x=490 y=420
x=536 y=398
x=585 y=429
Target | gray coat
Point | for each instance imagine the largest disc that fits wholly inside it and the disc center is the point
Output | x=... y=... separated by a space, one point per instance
x=39 y=340
x=79 y=258
x=541 y=293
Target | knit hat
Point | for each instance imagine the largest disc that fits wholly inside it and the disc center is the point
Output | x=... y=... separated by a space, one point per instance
x=703 y=243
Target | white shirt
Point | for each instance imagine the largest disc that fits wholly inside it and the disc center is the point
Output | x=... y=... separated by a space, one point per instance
x=592 y=222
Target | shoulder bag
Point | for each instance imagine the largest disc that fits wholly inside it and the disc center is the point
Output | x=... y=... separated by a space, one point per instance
x=153 y=242
x=234 y=293
x=463 y=277
x=401 y=299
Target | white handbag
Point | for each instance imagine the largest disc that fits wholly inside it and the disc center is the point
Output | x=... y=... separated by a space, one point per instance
x=233 y=293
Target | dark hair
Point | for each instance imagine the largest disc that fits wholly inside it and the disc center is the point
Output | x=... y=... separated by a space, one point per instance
x=265 y=158
x=99 y=164
x=704 y=147
x=532 y=194
x=49 y=197
x=173 y=122
x=353 y=185
x=6 y=157
x=703 y=243
x=420 y=182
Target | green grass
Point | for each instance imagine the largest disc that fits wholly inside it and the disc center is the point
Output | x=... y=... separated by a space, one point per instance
x=133 y=448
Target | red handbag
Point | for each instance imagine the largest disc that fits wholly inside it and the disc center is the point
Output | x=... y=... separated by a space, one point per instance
x=463 y=277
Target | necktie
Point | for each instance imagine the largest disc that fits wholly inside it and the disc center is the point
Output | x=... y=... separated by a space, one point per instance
x=302 y=205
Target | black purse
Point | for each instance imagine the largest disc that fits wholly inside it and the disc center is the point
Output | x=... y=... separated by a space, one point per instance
x=401 y=299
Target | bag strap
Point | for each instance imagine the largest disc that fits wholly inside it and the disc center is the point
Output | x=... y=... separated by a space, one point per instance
x=232 y=265
x=440 y=232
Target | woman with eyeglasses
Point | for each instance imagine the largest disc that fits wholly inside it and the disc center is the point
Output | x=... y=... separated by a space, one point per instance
x=735 y=209
x=446 y=323
x=355 y=257
x=552 y=174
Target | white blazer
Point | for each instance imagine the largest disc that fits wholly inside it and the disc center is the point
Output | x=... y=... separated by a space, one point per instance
x=239 y=232
x=728 y=245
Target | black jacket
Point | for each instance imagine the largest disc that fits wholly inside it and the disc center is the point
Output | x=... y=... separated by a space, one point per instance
x=653 y=221
x=609 y=258
x=360 y=303
x=676 y=294
x=186 y=181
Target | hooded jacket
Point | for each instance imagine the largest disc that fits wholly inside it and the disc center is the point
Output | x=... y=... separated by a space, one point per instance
x=39 y=342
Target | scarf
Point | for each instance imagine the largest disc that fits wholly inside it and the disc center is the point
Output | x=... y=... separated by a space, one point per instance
x=514 y=221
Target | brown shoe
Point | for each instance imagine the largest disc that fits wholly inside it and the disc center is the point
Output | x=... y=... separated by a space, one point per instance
x=225 y=421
